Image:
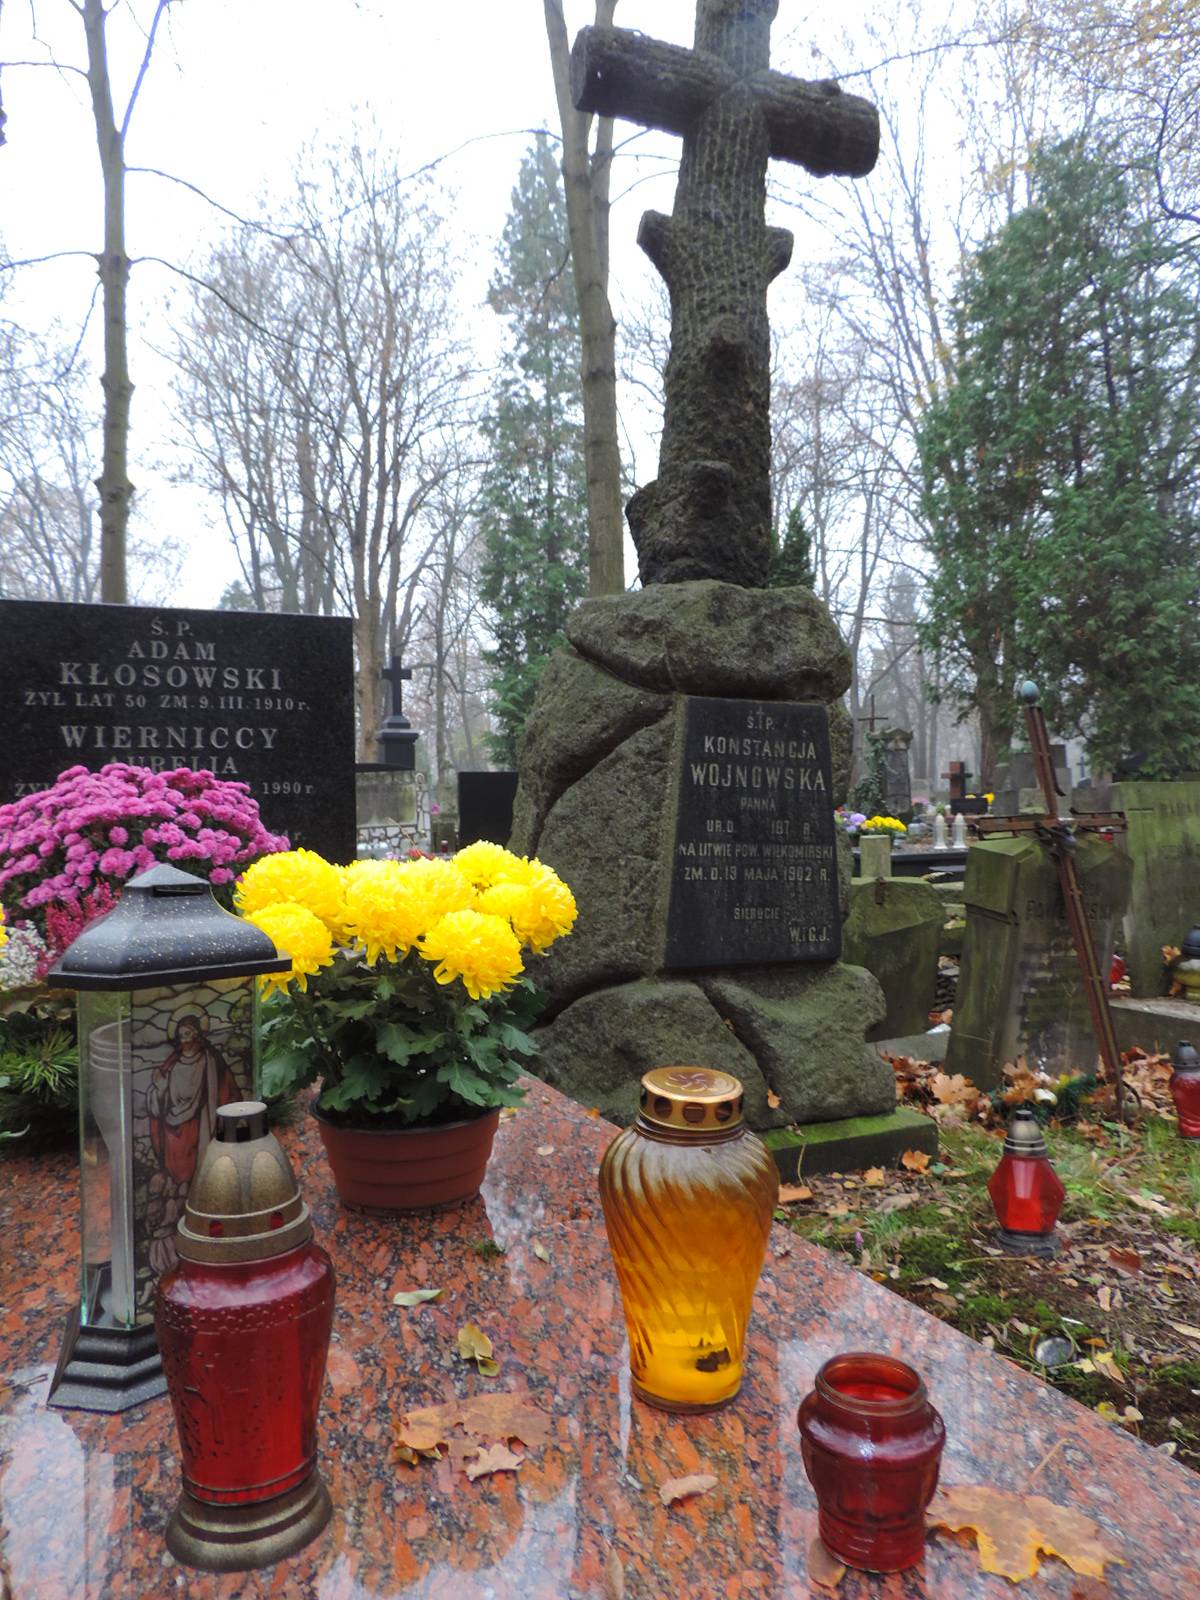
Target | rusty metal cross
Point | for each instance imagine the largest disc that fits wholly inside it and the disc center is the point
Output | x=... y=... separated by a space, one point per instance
x=708 y=513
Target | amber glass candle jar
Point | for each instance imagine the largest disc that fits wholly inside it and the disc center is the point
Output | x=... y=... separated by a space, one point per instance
x=872 y=1446
x=688 y=1194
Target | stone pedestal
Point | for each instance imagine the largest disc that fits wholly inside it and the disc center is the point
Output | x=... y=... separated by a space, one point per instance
x=875 y=855
x=1163 y=843
x=894 y=931
x=679 y=769
x=1020 y=991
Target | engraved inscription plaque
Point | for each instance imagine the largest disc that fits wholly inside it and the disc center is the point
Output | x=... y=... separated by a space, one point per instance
x=754 y=858
x=266 y=699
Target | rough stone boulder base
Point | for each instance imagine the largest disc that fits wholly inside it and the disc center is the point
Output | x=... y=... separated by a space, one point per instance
x=710 y=638
x=805 y=1030
x=597 y=1049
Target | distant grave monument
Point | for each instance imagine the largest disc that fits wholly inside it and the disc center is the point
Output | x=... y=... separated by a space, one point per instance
x=1163 y=842
x=685 y=752
x=897 y=777
x=263 y=698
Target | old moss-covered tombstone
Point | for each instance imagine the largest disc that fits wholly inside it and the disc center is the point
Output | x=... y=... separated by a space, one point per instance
x=685 y=752
x=1163 y=842
x=894 y=930
x=1020 y=991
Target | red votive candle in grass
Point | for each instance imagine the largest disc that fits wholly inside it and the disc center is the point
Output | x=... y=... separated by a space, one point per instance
x=872 y=1445
x=1026 y=1192
x=1185 y=1089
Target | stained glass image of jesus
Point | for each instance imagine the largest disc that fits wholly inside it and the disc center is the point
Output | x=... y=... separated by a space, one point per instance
x=182 y=1098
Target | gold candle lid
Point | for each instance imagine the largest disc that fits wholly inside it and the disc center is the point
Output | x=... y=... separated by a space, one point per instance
x=244 y=1204
x=693 y=1098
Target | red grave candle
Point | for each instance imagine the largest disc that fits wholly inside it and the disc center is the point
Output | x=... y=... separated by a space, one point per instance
x=1027 y=1194
x=243 y=1324
x=1185 y=1089
x=872 y=1445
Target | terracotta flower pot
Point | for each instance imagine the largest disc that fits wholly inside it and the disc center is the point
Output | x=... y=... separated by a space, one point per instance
x=409 y=1169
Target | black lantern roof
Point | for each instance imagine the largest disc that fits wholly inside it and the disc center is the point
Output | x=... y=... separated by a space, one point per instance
x=165 y=929
x=1190 y=948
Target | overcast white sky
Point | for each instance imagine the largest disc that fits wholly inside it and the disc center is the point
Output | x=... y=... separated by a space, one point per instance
x=235 y=90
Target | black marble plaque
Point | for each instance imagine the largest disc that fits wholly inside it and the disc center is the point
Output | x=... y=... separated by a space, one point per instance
x=754 y=858
x=263 y=698
x=485 y=806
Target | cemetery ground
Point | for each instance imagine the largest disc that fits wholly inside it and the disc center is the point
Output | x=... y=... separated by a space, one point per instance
x=1124 y=1288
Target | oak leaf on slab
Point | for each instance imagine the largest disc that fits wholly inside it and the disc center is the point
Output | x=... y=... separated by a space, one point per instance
x=496 y=1458
x=1011 y=1530
x=680 y=1488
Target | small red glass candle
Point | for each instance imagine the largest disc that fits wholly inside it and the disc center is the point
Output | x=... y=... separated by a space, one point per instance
x=1185 y=1089
x=872 y=1446
x=1026 y=1192
x=243 y=1324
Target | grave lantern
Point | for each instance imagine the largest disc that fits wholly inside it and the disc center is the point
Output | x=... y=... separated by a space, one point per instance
x=166 y=986
x=244 y=1323
x=1186 y=970
x=1026 y=1192
x=1185 y=1089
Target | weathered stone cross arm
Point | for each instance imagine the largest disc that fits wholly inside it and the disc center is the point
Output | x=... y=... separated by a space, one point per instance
x=616 y=72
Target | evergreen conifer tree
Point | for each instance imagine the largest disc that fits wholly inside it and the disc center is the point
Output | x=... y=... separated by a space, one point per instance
x=791 y=560
x=534 y=502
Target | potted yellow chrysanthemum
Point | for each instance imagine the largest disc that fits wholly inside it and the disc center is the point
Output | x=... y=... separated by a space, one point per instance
x=408 y=998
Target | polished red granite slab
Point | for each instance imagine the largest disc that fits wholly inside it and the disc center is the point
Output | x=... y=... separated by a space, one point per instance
x=84 y=1499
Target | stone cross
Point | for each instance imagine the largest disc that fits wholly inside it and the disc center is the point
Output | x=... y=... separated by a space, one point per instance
x=397 y=676
x=708 y=513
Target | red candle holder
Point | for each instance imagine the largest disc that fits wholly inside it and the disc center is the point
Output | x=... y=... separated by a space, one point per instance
x=243 y=1324
x=1185 y=1089
x=1027 y=1194
x=872 y=1446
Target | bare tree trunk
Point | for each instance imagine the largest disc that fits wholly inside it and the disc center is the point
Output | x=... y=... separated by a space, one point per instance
x=113 y=482
x=586 y=180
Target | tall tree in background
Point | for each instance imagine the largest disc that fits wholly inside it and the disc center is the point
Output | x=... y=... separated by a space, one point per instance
x=1061 y=472
x=791 y=560
x=587 y=175
x=534 y=502
x=322 y=389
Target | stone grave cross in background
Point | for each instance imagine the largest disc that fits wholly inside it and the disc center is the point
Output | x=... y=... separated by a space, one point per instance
x=708 y=513
x=685 y=752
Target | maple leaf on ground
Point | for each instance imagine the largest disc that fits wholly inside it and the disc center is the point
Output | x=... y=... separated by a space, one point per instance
x=496 y=1458
x=467 y=1426
x=915 y=1160
x=793 y=1191
x=680 y=1488
x=1013 y=1529
x=874 y=1178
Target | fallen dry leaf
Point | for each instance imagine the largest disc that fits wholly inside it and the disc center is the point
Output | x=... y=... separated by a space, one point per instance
x=824 y=1568
x=1012 y=1529
x=481 y=1420
x=415 y=1297
x=1186 y=1329
x=496 y=1458
x=545 y=1149
x=1127 y=1260
x=915 y=1160
x=614 y=1577
x=1103 y=1362
x=793 y=1191
x=539 y=1250
x=874 y=1177
x=1148 y=1203
x=474 y=1345
x=1104 y=1297
x=592 y=1111
x=773 y=1100
x=680 y=1488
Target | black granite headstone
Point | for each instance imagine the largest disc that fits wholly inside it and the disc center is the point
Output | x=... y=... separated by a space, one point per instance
x=262 y=698
x=754 y=859
x=485 y=806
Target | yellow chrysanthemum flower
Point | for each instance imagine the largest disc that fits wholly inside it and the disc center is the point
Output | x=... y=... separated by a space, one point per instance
x=484 y=863
x=480 y=949
x=443 y=887
x=3 y=929
x=507 y=900
x=295 y=932
x=549 y=912
x=386 y=910
x=300 y=876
